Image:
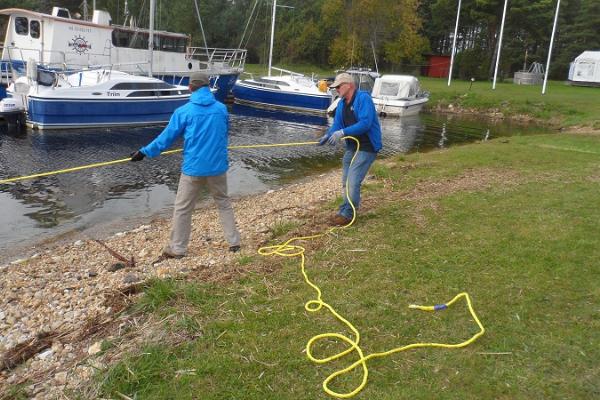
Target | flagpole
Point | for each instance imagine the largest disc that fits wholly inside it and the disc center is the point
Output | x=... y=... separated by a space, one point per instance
x=454 y=43
x=499 y=44
x=550 y=49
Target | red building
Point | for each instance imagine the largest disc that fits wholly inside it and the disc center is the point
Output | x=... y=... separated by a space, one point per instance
x=437 y=66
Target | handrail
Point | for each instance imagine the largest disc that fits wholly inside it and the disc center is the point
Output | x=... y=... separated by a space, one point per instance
x=292 y=73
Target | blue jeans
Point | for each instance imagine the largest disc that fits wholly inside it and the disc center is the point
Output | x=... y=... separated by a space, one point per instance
x=355 y=174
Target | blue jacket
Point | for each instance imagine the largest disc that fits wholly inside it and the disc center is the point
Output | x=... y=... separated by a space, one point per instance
x=204 y=124
x=366 y=117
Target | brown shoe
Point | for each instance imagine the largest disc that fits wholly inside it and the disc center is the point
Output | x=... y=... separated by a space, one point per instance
x=340 y=220
x=167 y=255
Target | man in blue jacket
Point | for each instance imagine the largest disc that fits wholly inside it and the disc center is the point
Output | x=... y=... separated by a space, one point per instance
x=355 y=117
x=204 y=124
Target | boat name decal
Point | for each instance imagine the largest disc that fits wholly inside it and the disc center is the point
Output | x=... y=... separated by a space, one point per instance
x=113 y=94
x=79 y=44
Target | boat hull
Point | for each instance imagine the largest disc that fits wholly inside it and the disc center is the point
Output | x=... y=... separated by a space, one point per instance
x=46 y=113
x=274 y=99
x=399 y=108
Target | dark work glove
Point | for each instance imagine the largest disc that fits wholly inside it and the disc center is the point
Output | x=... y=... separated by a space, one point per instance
x=323 y=140
x=137 y=156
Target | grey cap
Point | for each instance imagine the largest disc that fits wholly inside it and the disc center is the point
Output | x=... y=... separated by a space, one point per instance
x=199 y=79
x=344 y=77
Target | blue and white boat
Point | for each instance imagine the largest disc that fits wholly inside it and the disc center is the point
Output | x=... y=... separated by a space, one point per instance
x=62 y=42
x=289 y=91
x=96 y=98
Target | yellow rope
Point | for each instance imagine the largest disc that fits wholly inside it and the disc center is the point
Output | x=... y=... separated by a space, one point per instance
x=123 y=160
x=287 y=249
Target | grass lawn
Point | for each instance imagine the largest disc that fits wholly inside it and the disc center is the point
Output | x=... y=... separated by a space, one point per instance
x=562 y=104
x=512 y=222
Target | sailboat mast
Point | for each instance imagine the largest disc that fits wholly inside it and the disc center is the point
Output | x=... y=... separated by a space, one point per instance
x=151 y=37
x=272 y=35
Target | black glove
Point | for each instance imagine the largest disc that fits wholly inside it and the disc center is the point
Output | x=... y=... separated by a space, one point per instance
x=137 y=156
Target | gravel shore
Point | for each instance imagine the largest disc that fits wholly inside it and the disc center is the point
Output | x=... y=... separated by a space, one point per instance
x=54 y=301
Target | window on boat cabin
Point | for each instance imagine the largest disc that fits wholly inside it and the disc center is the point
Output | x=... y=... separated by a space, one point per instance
x=389 y=89
x=141 y=86
x=272 y=82
x=139 y=40
x=3 y=28
x=21 y=26
x=263 y=84
x=120 y=38
x=34 y=29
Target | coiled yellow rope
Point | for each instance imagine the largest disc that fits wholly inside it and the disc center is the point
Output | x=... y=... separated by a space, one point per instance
x=123 y=160
x=287 y=249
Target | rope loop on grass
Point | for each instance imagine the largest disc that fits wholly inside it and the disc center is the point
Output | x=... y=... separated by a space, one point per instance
x=287 y=249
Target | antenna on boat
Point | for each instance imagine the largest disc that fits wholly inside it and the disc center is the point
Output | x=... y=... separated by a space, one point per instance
x=151 y=38
x=272 y=34
x=374 y=57
x=125 y=13
x=84 y=6
x=202 y=29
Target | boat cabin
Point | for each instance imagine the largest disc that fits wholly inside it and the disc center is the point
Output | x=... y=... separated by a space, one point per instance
x=396 y=87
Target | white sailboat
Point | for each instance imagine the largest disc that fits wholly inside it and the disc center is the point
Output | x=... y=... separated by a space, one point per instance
x=287 y=91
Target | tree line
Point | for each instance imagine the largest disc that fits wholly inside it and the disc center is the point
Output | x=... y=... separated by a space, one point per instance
x=398 y=34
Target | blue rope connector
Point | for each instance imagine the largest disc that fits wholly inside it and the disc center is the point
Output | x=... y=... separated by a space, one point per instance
x=439 y=307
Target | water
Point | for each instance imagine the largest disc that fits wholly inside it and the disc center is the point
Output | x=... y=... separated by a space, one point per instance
x=124 y=195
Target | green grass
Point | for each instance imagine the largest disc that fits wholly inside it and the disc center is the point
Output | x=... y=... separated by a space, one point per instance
x=562 y=104
x=521 y=237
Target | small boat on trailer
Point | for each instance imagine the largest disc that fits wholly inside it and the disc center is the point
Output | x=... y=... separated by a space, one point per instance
x=96 y=98
x=398 y=95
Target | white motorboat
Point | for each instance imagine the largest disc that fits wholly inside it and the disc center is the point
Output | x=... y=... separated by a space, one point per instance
x=95 y=98
x=398 y=95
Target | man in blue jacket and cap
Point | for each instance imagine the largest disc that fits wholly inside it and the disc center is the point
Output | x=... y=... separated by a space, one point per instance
x=204 y=124
x=355 y=116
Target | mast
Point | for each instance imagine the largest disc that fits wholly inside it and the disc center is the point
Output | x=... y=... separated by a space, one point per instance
x=151 y=37
x=272 y=34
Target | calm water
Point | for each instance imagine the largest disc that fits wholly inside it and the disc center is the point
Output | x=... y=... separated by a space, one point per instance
x=124 y=195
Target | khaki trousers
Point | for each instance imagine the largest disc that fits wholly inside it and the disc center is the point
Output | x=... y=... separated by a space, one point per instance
x=185 y=202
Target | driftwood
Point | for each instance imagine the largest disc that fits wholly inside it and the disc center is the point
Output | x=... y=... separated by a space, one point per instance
x=117 y=300
x=128 y=263
x=24 y=351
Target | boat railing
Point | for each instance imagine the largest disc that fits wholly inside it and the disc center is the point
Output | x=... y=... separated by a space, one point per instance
x=288 y=72
x=51 y=59
x=218 y=57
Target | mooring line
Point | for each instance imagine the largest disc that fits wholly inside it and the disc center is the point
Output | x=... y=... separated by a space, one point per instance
x=287 y=249
x=123 y=160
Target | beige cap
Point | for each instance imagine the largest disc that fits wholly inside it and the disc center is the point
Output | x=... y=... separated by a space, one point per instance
x=199 y=79
x=342 y=78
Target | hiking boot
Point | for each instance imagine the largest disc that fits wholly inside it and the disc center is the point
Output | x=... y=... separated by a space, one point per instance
x=234 y=249
x=340 y=220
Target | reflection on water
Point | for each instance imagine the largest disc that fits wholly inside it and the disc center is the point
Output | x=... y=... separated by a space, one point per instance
x=87 y=200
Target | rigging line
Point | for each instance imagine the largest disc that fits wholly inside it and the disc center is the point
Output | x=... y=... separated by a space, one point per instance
x=202 y=30
x=123 y=160
x=247 y=23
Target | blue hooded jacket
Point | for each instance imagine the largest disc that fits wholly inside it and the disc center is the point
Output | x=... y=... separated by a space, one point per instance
x=204 y=124
x=366 y=115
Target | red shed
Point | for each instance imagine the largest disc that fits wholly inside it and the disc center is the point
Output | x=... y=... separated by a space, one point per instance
x=437 y=66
